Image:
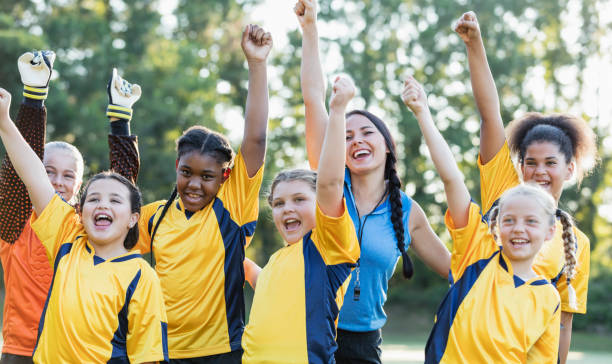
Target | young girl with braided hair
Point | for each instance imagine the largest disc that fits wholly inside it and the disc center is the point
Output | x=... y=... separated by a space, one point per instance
x=27 y=272
x=498 y=309
x=386 y=219
x=198 y=240
x=550 y=149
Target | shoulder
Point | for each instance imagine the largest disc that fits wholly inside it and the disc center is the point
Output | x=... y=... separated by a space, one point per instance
x=581 y=238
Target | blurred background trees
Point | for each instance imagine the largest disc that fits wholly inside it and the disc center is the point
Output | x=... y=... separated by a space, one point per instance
x=545 y=56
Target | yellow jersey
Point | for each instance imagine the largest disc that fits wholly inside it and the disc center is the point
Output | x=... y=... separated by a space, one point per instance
x=199 y=259
x=299 y=294
x=103 y=310
x=489 y=315
x=499 y=175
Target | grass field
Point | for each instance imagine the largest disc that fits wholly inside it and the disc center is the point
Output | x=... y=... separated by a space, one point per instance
x=405 y=335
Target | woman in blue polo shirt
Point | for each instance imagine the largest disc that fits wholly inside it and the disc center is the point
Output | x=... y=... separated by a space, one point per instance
x=386 y=220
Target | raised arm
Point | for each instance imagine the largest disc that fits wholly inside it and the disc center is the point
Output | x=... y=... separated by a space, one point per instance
x=256 y=45
x=312 y=81
x=330 y=180
x=492 y=136
x=15 y=206
x=457 y=194
x=123 y=147
x=27 y=164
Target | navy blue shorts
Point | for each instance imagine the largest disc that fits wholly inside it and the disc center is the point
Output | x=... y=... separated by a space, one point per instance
x=358 y=347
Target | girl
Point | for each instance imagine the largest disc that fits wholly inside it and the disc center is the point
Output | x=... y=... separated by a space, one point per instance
x=198 y=240
x=498 y=309
x=301 y=289
x=386 y=219
x=92 y=265
x=550 y=150
x=27 y=272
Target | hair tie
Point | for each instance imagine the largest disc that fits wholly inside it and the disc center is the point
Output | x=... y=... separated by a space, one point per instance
x=558 y=213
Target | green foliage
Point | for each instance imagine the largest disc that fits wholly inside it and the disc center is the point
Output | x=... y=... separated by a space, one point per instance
x=192 y=72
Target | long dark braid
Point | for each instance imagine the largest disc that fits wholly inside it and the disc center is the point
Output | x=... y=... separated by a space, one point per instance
x=394 y=187
x=397 y=214
x=159 y=220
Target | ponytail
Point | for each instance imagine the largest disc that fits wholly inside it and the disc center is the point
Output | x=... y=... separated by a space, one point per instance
x=161 y=216
x=569 y=246
x=397 y=213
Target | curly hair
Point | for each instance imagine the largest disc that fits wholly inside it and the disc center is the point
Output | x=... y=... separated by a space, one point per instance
x=575 y=139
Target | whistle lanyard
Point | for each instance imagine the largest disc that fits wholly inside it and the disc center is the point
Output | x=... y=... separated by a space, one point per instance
x=357 y=286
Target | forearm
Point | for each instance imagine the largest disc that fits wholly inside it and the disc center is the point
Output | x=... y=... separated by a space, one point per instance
x=313 y=92
x=492 y=134
x=330 y=179
x=251 y=272
x=565 y=337
x=256 y=117
x=27 y=165
x=14 y=200
x=458 y=197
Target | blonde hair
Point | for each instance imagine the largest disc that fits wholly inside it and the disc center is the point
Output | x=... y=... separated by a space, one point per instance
x=547 y=203
x=70 y=149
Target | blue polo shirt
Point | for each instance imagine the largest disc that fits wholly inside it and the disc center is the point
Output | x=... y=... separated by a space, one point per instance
x=379 y=256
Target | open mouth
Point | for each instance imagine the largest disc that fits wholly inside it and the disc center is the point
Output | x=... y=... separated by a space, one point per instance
x=102 y=220
x=519 y=243
x=292 y=225
x=361 y=154
x=193 y=197
x=544 y=184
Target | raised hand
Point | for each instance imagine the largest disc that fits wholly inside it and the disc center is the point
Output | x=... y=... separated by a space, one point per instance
x=343 y=91
x=467 y=27
x=256 y=43
x=5 y=106
x=121 y=92
x=306 y=11
x=414 y=96
x=36 y=68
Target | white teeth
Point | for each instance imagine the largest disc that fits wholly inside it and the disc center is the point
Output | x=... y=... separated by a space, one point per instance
x=290 y=221
x=103 y=216
x=518 y=241
x=359 y=153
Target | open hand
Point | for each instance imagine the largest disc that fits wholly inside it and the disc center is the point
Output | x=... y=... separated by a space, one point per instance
x=467 y=27
x=36 y=68
x=343 y=91
x=414 y=96
x=306 y=11
x=256 y=43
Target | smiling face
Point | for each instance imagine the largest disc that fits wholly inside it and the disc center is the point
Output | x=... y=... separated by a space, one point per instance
x=293 y=209
x=524 y=227
x=62 y=169
x=366 y=150
x=545 y=165
x=106 y=212
x=198 y=179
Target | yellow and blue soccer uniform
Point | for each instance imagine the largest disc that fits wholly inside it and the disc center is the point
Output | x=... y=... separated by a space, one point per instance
x=489 y=315
x=499 y=175
x=97 y=310
x=199 y=259
x=299 y=294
